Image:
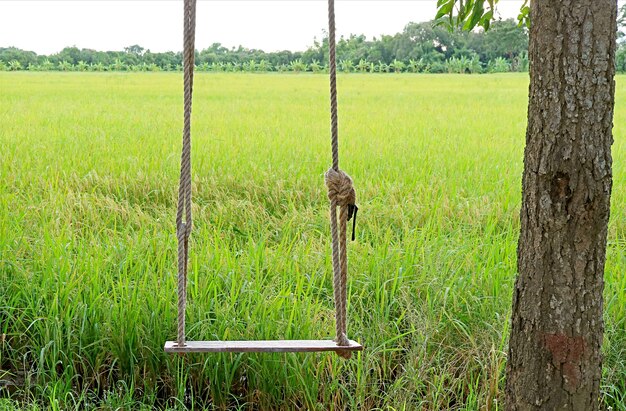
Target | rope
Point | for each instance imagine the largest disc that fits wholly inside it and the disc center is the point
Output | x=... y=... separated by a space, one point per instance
x=341 y=194
x=332 y=68
x=340 y=190
x=183 y=228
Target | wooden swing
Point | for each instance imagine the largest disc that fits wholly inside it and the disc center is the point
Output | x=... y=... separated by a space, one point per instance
x=340 y=193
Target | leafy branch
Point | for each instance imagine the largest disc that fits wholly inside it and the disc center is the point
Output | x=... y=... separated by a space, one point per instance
x=468 y=14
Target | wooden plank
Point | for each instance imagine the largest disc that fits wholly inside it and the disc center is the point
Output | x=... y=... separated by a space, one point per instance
x=261 y=346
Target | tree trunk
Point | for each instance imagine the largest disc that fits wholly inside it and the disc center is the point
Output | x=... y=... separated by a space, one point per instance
x=556 y=328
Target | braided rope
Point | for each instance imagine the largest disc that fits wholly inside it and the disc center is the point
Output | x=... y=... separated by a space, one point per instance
x=183 y=228
x=340 y=190
x=332 y=68
x=341 y=194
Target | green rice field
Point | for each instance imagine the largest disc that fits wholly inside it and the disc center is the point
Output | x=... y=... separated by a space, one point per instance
x=89 y=169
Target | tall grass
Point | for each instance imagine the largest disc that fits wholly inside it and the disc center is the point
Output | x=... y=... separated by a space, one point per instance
x=88 y=183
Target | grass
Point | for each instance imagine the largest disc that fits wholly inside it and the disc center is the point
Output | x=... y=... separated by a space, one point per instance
x=88 y=185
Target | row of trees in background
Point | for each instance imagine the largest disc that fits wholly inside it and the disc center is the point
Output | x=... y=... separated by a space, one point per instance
x=453 y=65
x=419 y=48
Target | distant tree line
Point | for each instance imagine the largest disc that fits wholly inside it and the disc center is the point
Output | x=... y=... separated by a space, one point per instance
x=620 y=53
x=419 y=48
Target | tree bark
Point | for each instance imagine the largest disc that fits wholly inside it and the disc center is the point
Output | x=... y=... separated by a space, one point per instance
x=556 y=328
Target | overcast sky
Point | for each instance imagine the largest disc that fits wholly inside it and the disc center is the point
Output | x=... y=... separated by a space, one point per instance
x=46 y=26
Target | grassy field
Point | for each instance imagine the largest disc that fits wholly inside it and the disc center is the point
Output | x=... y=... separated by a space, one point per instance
x=88 y=183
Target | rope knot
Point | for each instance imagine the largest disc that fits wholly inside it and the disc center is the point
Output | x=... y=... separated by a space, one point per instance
x=340 y=189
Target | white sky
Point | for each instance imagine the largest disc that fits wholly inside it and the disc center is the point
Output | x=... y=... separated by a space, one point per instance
x=46 y=26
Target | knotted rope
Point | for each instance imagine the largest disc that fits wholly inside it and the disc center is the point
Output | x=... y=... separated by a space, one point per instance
x=183 y=228
x=341 y=194
x=340 y=191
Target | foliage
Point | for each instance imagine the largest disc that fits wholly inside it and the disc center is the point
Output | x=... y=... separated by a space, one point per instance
x=315 y=66
x=15 y=65
x=621 y=23
x=420 y=47
x=397 y=66
x=347 y=66
x=297 y=65
x=499 y=65
x=89 y=174
x=468 y=14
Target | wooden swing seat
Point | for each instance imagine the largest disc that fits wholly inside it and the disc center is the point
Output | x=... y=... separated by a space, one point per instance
x=261 y=346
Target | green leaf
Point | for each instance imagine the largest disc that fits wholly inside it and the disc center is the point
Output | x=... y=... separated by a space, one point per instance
x=463 y=9
x=523 y=19
x=485 y=21
x=475 y=16
x=444 y=9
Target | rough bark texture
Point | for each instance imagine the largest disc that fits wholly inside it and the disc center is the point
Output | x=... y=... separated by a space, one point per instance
x=556 y=330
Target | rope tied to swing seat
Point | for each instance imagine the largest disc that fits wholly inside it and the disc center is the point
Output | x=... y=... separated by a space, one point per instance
x=183 y=209
x=341 y=194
